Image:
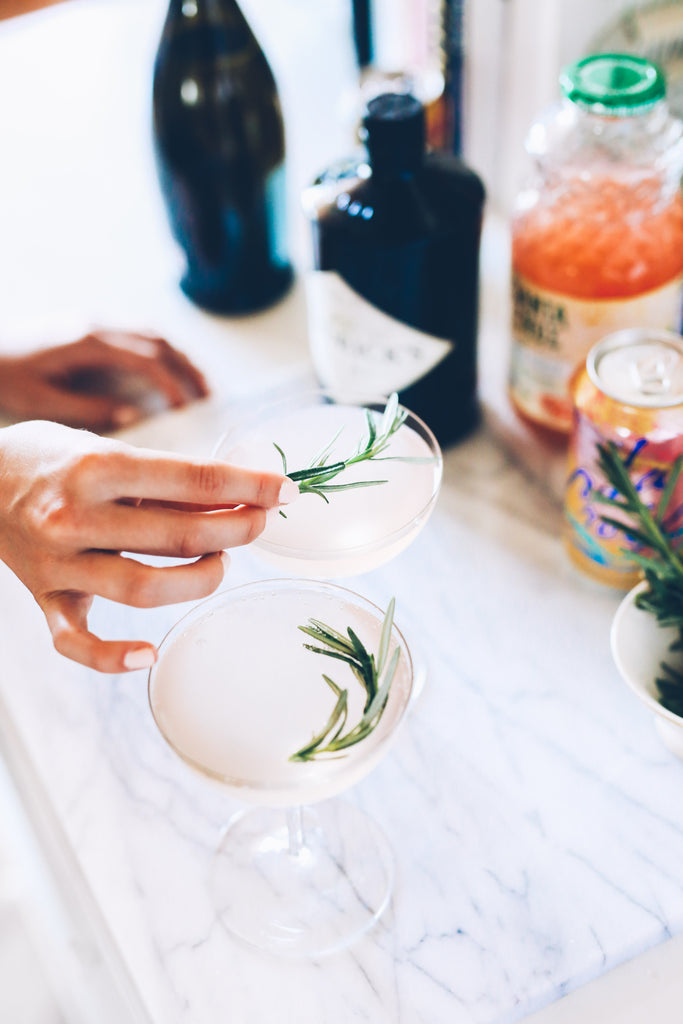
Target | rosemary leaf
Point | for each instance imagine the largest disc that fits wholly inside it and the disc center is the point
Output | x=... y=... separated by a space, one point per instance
x=367 y=669
x=390 y=412
x=668 y=491
x=316 y=477
x=340 y=712
x=319 y=460
x=380 y=697
x=385 y=636
x=337 y=645
x=330 y=654
x=372 y=429
x=659 y=558
x=328 y=488
x=375 y=680
x=283 y=457
x=326 y=630
x=633 y=533
x=316 y=472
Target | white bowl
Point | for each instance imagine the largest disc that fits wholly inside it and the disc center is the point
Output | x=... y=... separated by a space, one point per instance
x=639 y=646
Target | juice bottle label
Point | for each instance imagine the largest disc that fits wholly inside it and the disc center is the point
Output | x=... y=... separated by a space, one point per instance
x=355 y=345
x=553 y=333
x=599 y=548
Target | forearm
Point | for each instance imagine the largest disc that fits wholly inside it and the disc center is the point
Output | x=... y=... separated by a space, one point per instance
x=11 y=8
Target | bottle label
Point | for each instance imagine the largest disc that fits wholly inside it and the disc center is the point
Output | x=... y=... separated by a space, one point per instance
x=553 y=333
x=356 y=346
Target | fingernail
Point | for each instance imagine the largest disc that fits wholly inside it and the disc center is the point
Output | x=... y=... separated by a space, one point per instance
x=144 y=657
x=126 y=415
x=225 y=559
x=289 y=492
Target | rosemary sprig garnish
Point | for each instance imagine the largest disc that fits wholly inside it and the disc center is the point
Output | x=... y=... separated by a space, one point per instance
x=316 y=477
x=375 y=675
x=659 y=560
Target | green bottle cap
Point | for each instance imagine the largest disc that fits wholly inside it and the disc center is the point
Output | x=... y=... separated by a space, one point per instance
x=616 y=84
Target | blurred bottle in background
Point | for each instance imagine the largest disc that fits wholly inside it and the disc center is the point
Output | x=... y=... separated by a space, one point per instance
x=220 y=150
x=597 y=231
x=453 y=19
x=400 y=47
x=393 y=302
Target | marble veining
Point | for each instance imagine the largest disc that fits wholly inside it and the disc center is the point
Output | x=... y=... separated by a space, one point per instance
x=533 y=813
x=535 y=816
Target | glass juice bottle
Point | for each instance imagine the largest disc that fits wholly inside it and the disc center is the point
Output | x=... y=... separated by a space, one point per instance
x=597 y=232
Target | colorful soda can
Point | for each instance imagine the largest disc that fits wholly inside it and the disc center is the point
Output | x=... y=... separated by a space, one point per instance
x=629 y=391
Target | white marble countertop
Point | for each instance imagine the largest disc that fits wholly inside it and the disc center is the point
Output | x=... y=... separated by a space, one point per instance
x=535 y=817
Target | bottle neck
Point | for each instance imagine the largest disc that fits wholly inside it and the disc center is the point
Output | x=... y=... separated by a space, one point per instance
x=212 y=12
x=394 y=130
x=219 y=23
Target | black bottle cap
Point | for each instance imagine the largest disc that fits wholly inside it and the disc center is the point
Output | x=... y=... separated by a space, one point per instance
x=395 y=132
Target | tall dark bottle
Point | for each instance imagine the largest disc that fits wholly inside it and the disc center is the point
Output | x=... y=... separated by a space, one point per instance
x=393 y=301
x=220 y=151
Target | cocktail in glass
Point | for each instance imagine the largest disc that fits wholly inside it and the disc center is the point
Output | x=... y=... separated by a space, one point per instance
x=236 y=694
x=346 y=532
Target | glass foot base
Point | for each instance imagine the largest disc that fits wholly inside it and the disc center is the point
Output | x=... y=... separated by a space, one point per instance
x=301 y=882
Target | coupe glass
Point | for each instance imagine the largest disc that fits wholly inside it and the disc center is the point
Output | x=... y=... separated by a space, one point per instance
x=356 y=530
x=235 y=693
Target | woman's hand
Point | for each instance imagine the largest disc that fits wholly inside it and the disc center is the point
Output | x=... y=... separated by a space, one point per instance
x=72 y=502
x=105 y=380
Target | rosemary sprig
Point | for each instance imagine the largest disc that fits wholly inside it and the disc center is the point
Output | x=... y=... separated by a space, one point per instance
x=316 y=477
x=375 y=675
x=658 y=558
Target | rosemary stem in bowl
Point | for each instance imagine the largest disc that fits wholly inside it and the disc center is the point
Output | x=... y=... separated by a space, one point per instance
x=653 y=531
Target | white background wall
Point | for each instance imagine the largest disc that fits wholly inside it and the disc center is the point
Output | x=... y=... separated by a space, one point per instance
x=515 y=51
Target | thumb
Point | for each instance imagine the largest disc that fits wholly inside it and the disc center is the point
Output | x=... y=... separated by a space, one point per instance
x=95 y=412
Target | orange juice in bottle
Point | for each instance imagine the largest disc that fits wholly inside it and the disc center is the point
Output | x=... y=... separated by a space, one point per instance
x=597 y=232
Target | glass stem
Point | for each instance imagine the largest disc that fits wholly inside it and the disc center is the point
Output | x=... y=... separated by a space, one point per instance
x=295 y=830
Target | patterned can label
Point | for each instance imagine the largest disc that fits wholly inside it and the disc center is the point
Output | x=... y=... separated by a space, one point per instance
x=630 y=393
x=597 y=547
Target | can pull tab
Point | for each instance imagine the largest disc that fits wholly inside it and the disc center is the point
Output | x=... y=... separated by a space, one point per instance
x=652 y=374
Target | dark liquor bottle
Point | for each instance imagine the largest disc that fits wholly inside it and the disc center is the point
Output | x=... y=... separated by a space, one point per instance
x=220 y=150
x=393 y=300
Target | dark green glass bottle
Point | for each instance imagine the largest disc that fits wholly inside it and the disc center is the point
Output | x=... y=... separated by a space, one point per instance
x=393 y=299
x=220 y=153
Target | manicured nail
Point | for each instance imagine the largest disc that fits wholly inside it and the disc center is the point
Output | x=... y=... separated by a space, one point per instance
x=225 y=559
x=126 y=415
x=144 y=657
x=289 y=492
